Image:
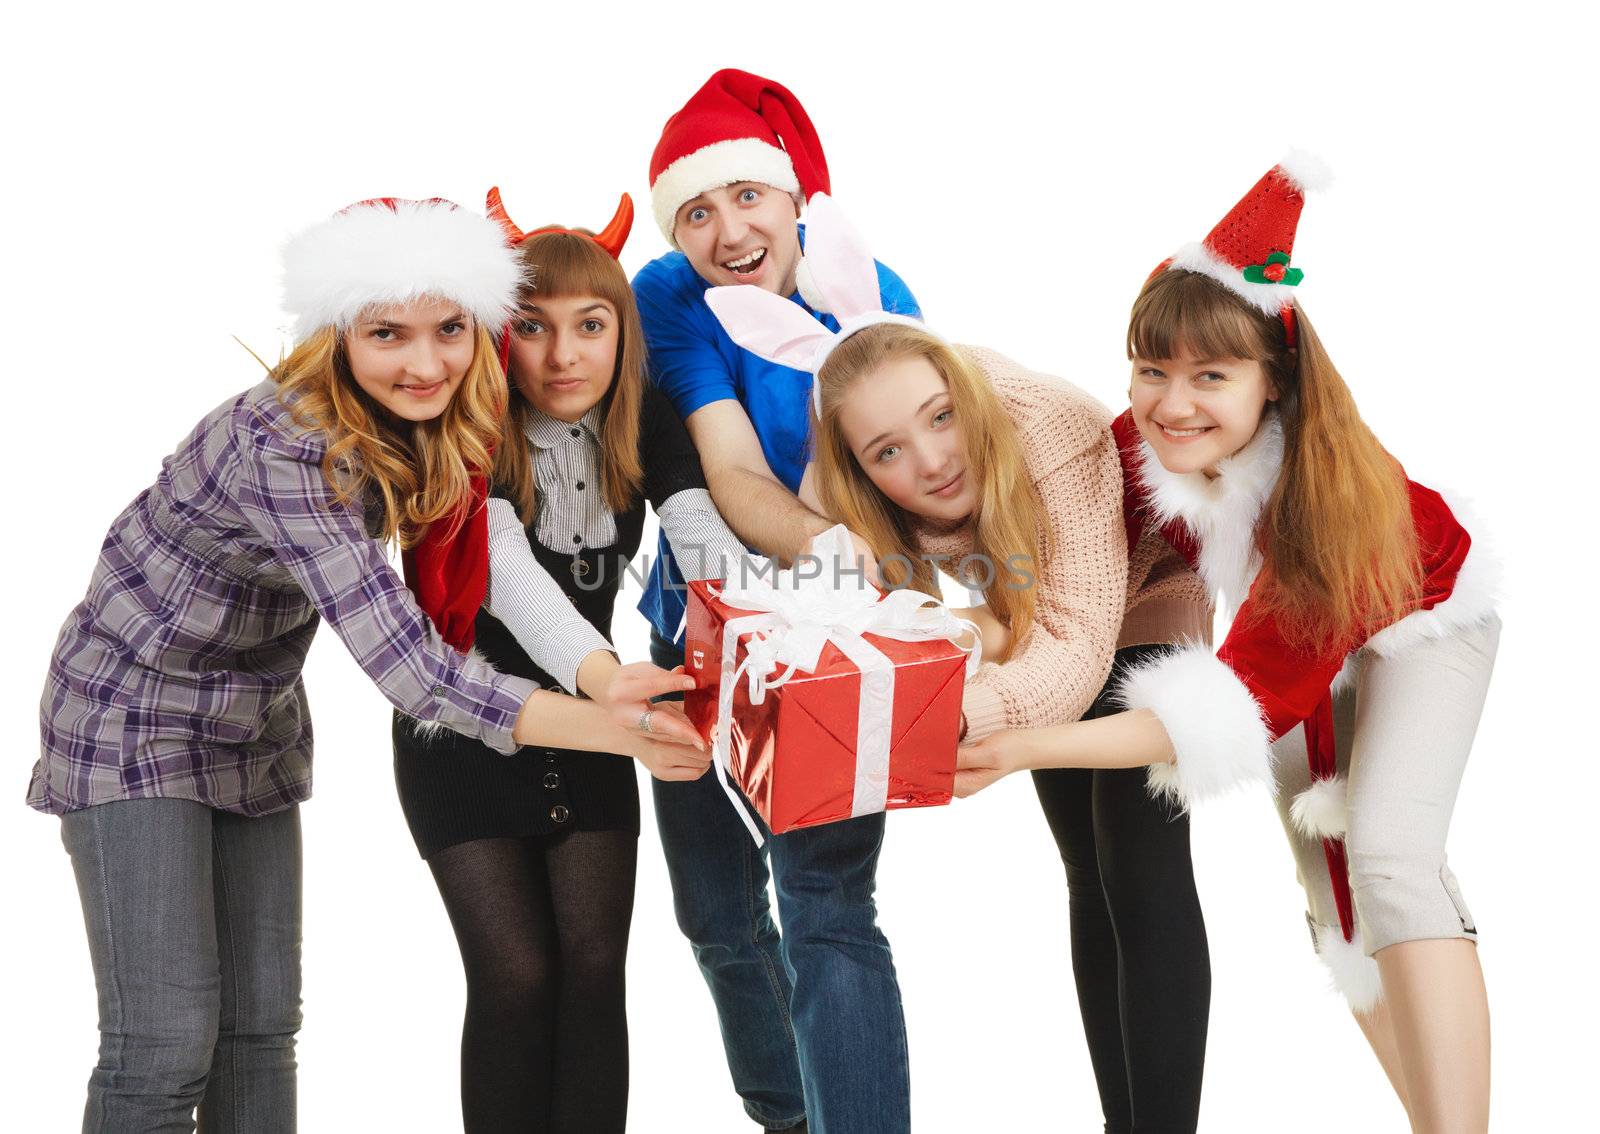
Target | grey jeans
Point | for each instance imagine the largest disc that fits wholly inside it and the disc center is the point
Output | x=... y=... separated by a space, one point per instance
x=1404 y=729
x=193 y=918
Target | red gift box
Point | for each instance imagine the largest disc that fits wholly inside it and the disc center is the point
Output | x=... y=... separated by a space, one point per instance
x=794 y=755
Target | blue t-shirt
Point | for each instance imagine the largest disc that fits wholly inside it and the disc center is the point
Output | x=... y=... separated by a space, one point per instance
x=694 y=362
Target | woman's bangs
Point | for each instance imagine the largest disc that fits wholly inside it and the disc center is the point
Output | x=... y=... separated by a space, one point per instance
x=565 y=264
x=1185 y=315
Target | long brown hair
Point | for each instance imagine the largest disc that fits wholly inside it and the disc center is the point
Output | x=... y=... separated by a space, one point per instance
x=1006 y=523
x=1338 y=546
x=563 y=264
x=420 y=470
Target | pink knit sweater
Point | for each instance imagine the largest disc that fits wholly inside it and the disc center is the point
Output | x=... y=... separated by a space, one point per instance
x=1092 y=595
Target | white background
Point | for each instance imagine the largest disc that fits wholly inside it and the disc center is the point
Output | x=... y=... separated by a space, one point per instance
x=1023 y=172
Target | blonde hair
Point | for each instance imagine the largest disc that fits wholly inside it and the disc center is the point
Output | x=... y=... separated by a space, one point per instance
x=562 y=264
x=1007 y=520
x=420 y=470
x=1338 y=544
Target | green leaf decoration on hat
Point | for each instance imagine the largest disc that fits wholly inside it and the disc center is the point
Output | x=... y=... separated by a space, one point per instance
x=1275 y=270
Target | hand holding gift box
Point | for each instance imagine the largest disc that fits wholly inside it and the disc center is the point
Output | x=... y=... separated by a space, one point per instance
x=823 y=698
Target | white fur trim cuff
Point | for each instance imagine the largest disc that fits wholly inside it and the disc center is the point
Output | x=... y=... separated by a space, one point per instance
x=1355 y=975
x=1271 y=298
x=371 y=255
x=1322 y=811
x=712 y=167
x=1213 y=721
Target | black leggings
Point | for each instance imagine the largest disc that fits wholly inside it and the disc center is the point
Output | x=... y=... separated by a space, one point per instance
x=543 y=929
x=1139 y=952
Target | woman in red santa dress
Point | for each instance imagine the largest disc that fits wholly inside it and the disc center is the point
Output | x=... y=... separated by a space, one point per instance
x=1358 y=659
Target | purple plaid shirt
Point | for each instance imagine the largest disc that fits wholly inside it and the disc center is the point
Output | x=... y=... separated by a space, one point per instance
x=179 y=674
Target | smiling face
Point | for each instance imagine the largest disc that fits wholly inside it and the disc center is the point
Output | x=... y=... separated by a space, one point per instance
x=741 y=234
x=900 y=425
x=564 y=353
x=410 y=357
x=1195 y=412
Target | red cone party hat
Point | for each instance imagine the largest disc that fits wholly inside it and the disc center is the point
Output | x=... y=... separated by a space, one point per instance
x=1249 y=250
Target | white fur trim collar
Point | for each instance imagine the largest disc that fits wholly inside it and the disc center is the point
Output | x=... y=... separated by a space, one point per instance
x=1221 y=512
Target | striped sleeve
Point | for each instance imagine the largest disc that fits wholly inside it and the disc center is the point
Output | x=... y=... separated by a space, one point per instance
x=532 y=605
x=701 y=541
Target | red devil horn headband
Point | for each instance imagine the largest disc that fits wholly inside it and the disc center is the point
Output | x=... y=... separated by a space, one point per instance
x=496 y=210
x=615 y=234
x=611 y=238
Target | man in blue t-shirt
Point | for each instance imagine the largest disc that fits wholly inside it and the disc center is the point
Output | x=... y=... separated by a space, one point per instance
x=811 y=1022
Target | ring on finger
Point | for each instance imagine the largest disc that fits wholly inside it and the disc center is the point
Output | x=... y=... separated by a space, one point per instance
x=644 y=721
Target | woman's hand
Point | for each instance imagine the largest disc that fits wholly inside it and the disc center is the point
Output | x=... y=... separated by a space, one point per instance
x=659 y=736
x=665 y=759
x=982 y=762
x=556 y=720
x=626 y=691
x=1131 y=739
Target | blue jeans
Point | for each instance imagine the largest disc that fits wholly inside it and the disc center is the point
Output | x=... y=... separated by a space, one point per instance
x=193 y=918
x=811 y=1021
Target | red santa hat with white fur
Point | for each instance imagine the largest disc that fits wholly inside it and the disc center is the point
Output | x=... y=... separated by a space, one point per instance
x=737 y=127
x=391 y=250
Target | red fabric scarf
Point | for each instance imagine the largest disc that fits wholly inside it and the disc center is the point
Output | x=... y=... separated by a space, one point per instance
x=448 y=570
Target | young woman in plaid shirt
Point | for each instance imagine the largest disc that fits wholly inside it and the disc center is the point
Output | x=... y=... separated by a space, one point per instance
x=175 y=733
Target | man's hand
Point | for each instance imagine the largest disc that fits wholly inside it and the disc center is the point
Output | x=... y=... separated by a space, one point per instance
x=754 y=502
x=864 y=561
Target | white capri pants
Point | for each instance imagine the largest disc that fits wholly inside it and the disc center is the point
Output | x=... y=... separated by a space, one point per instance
x=1404 y=728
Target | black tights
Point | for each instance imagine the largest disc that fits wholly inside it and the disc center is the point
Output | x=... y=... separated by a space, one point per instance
x=543 y=930
x=1139 y=953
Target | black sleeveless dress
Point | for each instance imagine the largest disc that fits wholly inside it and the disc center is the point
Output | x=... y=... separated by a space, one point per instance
x=454 y=789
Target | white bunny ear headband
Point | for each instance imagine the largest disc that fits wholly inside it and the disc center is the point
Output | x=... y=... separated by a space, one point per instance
x=842 y=271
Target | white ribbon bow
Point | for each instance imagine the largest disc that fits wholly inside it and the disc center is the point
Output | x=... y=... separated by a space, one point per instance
x=797 y=614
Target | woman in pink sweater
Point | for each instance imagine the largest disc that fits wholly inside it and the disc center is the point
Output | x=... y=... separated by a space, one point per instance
x=958 y=459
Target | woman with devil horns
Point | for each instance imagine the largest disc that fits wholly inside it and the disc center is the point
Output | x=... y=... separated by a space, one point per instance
x=534 y=855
